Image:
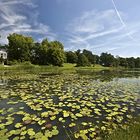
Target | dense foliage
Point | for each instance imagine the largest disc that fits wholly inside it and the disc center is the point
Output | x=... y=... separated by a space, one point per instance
x=23 y=48
x=71 y=57
x=83 y=60
x=19 y=47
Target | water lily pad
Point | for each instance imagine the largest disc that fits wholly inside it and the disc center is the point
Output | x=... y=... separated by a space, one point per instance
x=72 y=125
x=18 y=125
x=78 y=115
x=31 y=132
x=66 y=114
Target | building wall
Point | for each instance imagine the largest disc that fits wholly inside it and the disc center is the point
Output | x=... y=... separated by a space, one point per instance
x=3 y=54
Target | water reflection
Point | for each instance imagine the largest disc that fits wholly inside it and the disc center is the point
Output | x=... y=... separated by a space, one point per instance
x=108 y=75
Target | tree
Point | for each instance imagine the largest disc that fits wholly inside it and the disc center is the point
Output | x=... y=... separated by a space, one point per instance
x=123 y=62
x=97 y=59
x=22 y=48
x=116 y=62
x=45 y=42
x=56 y=44
x=106 y=59
x=55 y=57
x=82 y=60
x=55 y=53
x=91 y=58
x=137 y=62
x=71 y=57
x=48 y=53
x=19 y=47
x=131 y=62
x=39 y=54
x=78 y=52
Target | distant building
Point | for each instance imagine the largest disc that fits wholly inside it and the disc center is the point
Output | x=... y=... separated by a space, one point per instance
x=3 y=54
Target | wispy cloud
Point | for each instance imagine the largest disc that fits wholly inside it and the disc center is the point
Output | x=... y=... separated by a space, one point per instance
x=92 y=25
x=122 y=22
x=94 y=21
x=21 y=16
x=101 y=31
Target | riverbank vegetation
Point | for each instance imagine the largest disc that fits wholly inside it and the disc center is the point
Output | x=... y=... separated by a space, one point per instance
x=22 y=48
x=131 y=132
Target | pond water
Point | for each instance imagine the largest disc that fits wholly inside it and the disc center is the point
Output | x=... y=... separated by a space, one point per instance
x=80 y=106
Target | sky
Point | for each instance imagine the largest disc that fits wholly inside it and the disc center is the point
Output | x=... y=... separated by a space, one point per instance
x=111 y=26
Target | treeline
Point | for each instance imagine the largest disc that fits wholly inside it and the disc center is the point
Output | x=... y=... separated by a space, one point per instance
x=23 y=48
x=86 y=58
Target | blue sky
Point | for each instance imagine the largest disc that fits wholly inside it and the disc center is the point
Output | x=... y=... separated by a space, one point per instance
x=98 y=25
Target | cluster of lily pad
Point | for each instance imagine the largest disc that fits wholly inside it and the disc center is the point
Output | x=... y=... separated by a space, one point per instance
x=66 y=107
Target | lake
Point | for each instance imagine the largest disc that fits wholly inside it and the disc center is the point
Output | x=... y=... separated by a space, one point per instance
x=67 y=106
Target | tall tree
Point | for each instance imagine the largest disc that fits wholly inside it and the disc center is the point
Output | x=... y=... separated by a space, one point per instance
x=91 y=58
x=97 y=59
x=49 y=53
x=82 y=60
x=55 y=53
x=137 y=62
x=55 y=57
x=19 y=47
x=123 y=62
x=71 y=57
x=131 y=62
x=106 y=59
x=39 y=54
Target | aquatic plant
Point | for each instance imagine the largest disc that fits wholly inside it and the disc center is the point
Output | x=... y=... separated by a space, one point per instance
x=66 y=106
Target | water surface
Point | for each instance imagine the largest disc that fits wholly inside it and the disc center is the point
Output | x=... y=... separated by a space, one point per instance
x=68 y=106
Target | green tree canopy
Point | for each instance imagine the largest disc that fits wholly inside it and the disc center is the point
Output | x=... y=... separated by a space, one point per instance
x=49 y=53
x=131 y=62
x=71 y=57
x=19 y=47
x=39 y=55
x=123 y=62
x=55 y=53
x=82 y=60
x=106 y=59
x=137 y=62
x=55 y=56
x=23 y=48
x=91 y=58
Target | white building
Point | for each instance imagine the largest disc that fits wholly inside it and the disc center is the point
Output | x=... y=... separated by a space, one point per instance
x=3 y=54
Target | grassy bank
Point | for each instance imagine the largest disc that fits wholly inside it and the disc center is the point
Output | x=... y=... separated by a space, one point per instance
x=66 y=68
x=131 y=132
x=27 y=70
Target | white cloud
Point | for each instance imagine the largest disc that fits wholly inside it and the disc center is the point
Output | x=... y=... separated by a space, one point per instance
x=91 y=25
x=24 y=20
x=94 y=21
x=14 y=2
x=100 y=31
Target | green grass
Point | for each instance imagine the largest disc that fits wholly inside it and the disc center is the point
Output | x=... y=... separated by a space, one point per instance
x=30 y=69
x=132 y=132
x=66 y=66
